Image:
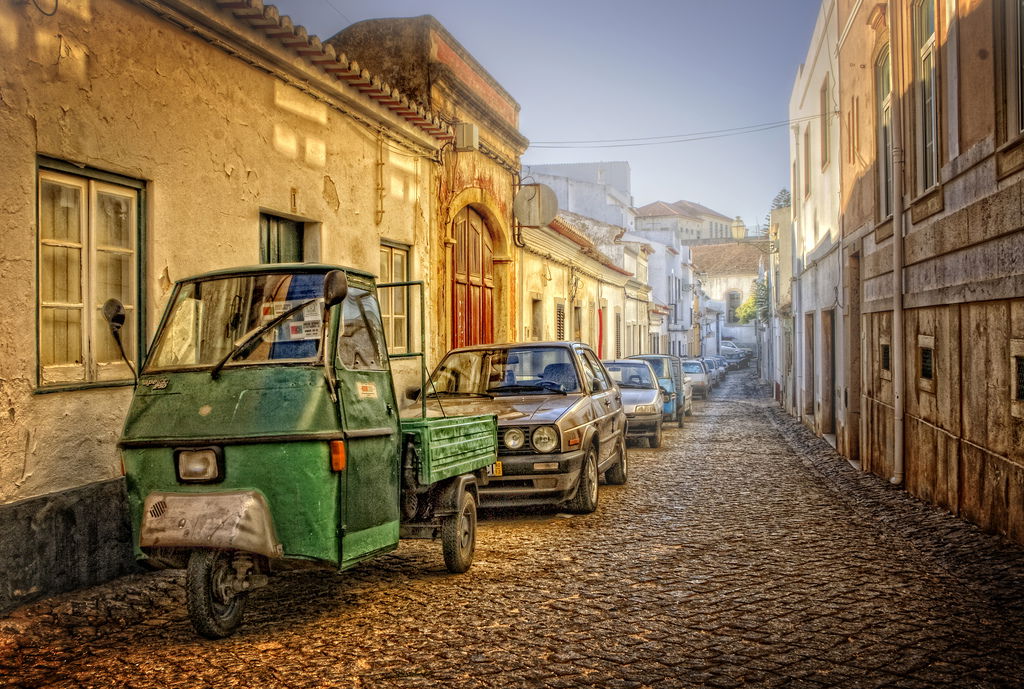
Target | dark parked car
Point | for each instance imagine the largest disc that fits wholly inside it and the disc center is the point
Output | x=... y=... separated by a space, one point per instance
x=642 y=398
x=560 y=419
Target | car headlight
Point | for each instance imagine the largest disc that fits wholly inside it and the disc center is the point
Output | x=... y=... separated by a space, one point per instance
x=514 y=438
x=647 y=409
x=200 y=465
x=545 y=439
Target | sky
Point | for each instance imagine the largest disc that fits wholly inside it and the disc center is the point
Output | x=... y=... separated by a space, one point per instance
x=596 y=70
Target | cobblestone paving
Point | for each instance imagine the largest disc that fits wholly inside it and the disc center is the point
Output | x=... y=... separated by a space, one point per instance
x=743 y=553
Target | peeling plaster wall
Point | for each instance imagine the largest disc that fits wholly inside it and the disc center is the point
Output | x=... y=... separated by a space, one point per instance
x=216 y=141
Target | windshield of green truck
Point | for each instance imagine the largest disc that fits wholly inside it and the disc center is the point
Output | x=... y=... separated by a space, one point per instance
x=209 y=318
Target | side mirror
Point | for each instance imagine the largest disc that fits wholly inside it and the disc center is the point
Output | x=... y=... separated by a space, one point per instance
x=664 y=392
x=335 y=288
x=597 y=385
x=412 y=394
x=114 y=314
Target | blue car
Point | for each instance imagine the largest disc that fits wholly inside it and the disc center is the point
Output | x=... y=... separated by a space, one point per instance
x=670 y=377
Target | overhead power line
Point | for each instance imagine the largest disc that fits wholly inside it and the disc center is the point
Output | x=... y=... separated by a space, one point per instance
x=675 y=138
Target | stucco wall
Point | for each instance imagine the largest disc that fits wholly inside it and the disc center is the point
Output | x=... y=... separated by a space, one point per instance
x=110 y=85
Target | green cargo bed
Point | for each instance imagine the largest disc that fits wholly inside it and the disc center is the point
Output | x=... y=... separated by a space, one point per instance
x=448 y=447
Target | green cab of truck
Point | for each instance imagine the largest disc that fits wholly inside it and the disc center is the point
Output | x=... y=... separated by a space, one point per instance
x=264 y=435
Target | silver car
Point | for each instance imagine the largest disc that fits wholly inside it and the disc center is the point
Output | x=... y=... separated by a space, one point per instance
x=560 y=419
x=642 y=398
x=699 y=375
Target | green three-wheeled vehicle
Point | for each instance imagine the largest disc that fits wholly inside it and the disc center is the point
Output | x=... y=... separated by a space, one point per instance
x=264 y=434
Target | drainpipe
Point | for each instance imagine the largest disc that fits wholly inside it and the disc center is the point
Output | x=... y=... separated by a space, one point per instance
x=897 y=349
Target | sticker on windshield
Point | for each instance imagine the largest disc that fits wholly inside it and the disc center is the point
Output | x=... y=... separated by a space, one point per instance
x=366 y=391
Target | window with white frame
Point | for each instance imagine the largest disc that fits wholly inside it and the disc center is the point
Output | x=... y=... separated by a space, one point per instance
x=394 y=301
x=734 y=299
x=88 y=238
x=883 y=99
x=807 y=161
x=826 y=122
x=927 y=120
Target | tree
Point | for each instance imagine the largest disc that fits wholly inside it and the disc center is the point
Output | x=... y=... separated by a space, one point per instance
x=781 y=200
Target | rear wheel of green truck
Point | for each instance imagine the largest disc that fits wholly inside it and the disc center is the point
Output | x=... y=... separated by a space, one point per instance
x=214 y=607
x=458 y=536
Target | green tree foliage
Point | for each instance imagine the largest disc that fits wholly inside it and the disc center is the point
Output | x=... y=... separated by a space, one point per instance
x=756 y=305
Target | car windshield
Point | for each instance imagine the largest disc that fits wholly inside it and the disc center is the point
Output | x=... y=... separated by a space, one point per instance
x=631 y=375
x=692 y=367
x=660 y=367
x=209 y=319
x=506 y=371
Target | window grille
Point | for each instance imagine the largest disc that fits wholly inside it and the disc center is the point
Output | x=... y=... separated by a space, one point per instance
x=1019 y=365
x=927 y=363
x=559 y=321
x=618 y=336
x=886 y=358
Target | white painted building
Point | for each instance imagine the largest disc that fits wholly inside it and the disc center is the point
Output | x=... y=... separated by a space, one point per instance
x=815 y=166
x=596 y=190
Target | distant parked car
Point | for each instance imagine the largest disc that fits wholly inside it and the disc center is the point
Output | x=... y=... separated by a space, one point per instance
x=735 y=359
x=560 y=419
x=671 y=377
x=728 y=345
x=715 y=373
x=699 y=376
x=642 y=398
x=723 y=364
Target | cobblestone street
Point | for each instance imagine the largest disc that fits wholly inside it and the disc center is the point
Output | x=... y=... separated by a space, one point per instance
x=743 y=553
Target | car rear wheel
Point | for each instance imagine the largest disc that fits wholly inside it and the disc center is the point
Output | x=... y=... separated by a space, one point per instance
x=585 y=500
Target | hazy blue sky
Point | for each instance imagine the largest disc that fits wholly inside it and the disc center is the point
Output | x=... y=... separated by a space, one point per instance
x=599 y=70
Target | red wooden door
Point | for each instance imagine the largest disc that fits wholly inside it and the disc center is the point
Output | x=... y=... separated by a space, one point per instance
x=473 y=281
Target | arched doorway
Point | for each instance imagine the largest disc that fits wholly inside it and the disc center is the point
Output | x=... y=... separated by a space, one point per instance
x=472 y=281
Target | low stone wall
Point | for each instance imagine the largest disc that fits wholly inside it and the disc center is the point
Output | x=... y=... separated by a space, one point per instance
x=63 y=541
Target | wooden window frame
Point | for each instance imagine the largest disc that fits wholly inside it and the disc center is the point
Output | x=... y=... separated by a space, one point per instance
x=89 y=370
x=394 y=320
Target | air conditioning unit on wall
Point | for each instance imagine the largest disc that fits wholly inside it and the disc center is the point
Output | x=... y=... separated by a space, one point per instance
x=467 y=136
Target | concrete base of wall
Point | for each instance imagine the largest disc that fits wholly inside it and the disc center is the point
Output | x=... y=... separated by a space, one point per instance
x=63 y=541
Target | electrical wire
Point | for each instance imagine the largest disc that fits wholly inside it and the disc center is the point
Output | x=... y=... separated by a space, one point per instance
x=676 y=138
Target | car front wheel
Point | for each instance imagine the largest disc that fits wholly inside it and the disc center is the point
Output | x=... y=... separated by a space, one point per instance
x=585 y=500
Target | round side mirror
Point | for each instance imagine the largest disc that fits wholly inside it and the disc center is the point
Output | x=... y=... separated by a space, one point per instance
x=335 y=288
x=114 y=314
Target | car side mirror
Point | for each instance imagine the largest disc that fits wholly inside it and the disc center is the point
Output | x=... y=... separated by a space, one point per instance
x=412 y=394
x=335 y=288
x=598 y=385
x=664 y=391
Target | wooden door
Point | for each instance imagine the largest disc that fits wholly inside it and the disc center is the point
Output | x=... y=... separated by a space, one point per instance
x=473 y=281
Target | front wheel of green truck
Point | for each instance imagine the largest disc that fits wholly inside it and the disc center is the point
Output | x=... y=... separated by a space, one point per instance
x=214 y=606
x=458 y=536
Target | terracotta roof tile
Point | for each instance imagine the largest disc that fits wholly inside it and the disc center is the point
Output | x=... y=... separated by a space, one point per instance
x=278 y=27
x=728 y=259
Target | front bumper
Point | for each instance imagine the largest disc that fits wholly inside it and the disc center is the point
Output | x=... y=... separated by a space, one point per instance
x=641 y=425
x=520 y=484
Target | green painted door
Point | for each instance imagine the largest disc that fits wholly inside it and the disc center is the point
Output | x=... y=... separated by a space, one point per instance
x=373 y=440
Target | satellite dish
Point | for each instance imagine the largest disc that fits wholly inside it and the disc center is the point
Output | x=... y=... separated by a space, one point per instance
x=535 y=205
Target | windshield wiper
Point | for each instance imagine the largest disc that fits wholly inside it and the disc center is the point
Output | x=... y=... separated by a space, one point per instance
x=526 y=387
x=456 y=393
x=255 y=334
